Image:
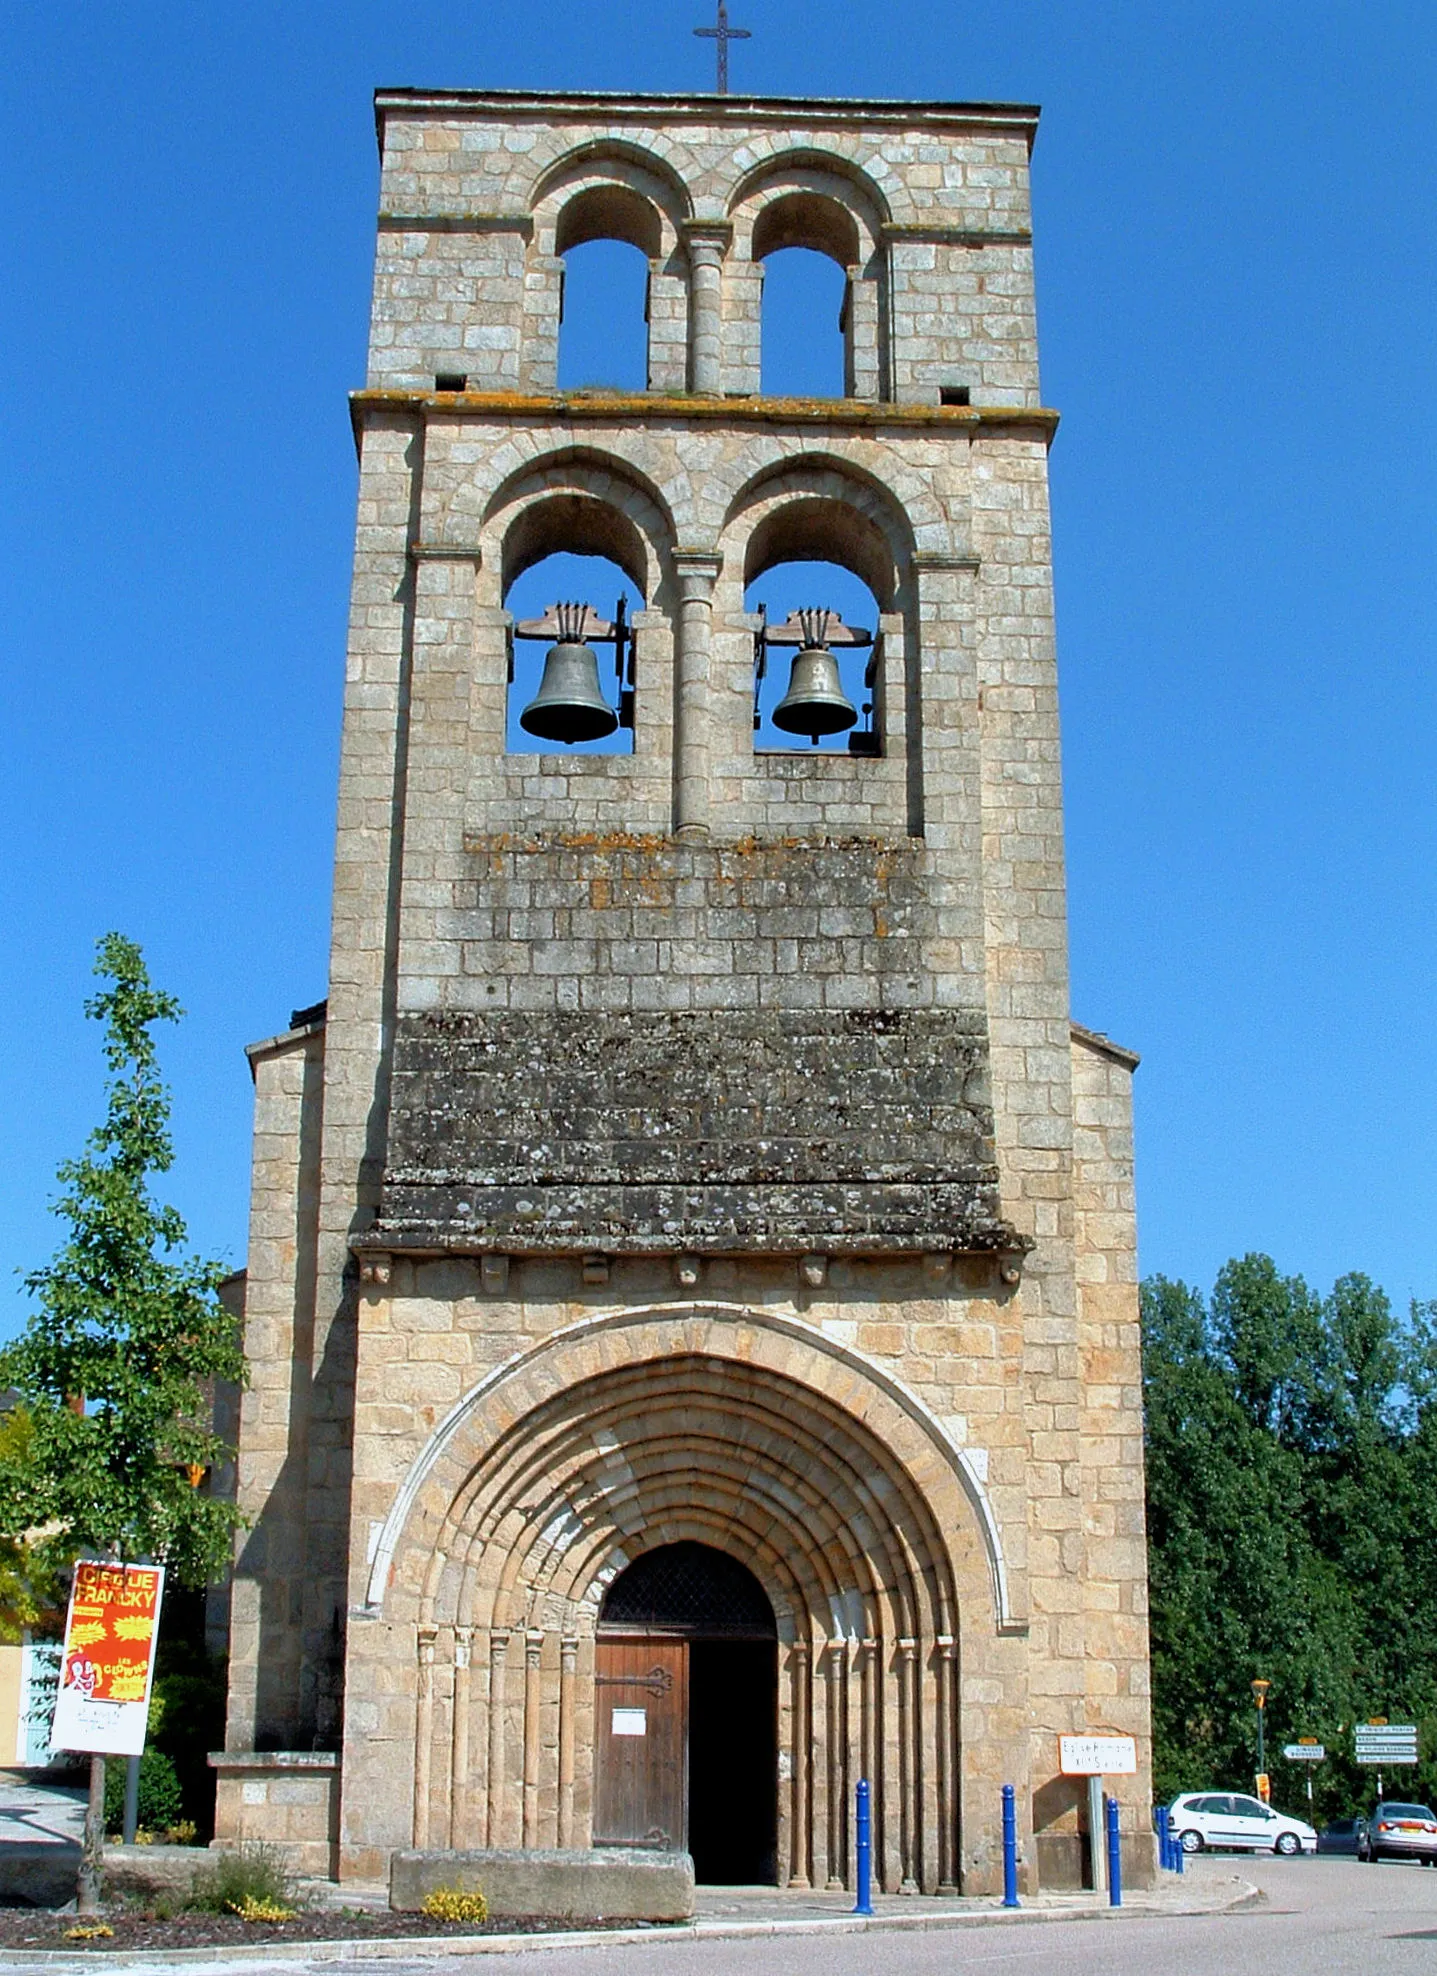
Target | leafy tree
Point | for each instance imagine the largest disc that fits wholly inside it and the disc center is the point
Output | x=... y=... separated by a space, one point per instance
x=1292 y=1508
x=115 y=1370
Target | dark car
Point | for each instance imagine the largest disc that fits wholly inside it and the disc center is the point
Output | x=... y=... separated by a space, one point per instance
x=1399 y=1831
x=1343 y=1835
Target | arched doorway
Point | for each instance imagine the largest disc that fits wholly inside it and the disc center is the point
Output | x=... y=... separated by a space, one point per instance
x=686 y=1705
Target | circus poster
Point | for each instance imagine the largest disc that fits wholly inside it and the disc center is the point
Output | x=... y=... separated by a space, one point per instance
x=108 y=1661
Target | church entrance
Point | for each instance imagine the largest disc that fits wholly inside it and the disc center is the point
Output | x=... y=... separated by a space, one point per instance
x=686 y=1714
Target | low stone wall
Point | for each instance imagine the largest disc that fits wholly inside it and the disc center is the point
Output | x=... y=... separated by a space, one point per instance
x=287 y=1798
x=147 y=1873
x=573 y=1887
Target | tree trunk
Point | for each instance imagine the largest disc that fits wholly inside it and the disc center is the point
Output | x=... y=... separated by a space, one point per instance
x=92 y=1853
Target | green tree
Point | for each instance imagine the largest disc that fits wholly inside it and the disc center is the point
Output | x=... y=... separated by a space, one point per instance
x=115 y=1370
x=1292 y=1507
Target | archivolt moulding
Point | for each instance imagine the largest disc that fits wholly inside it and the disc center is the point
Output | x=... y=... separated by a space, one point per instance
x=531 y=1357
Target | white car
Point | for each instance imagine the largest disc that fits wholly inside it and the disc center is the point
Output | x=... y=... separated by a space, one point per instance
x=1202 y=1819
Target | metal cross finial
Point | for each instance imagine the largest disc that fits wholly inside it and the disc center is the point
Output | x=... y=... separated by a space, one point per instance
x=723 y=34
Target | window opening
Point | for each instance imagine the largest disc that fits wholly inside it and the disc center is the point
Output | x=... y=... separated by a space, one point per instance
x=802 y=330
x=603 y=318
x=955 y=394
x=571 y=650
x=689 y=1587
x=451 y=381
x=828 y=605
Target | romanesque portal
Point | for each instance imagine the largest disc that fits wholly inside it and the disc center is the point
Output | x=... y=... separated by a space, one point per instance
x=691 y=1295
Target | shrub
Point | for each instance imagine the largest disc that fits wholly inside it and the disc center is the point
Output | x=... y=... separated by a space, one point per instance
x=159 y=1792
x=250 y=1909
x=254 y=1876
x=456 y=1904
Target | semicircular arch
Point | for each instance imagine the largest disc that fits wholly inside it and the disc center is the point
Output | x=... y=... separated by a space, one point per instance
x=583 y=501
x=770 y=1345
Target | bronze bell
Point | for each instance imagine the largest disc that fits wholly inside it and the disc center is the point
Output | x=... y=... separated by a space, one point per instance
x=815 y=702
x=569 y=705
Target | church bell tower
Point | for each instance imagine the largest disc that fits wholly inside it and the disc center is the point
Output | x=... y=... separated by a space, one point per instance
x=692 y=1299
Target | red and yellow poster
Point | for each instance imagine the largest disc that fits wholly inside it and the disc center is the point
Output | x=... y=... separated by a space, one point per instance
x=108 y=1661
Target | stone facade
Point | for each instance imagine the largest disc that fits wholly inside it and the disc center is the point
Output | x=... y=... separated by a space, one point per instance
x=696 y=1145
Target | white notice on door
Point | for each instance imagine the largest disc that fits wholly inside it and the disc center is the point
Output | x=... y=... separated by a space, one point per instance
x=631 y=1722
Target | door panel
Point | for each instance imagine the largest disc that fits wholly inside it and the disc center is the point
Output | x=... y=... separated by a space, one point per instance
x=640 y=1713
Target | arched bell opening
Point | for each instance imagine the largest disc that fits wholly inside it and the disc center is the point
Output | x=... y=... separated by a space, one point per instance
x=604 y=317
x=607 y=238
x=806 y=244
x=813 y=572
x=686 y=1713
x=571 y=675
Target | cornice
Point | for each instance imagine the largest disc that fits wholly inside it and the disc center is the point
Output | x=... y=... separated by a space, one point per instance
x=652 y=408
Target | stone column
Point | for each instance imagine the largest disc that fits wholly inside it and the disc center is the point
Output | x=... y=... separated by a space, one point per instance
x=870 y=1743
x=945 y=1736
x=568 y=1666
x=697 y=571
x=799 y=1869
x=907 y=1764
x=494 y=1810
x=707 y=242
x=459 y=1808
x=835 y=1667
x=423 y=1736
x=533 y=1699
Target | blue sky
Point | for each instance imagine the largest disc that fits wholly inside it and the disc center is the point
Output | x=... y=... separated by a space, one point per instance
x=1235 y=262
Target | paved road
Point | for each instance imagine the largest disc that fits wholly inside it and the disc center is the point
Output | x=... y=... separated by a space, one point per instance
x=1321 y=1917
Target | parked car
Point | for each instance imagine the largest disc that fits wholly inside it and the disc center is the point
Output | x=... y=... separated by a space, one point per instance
x=1200 y=1820
x=1399 y=1831
x=1343 y=1835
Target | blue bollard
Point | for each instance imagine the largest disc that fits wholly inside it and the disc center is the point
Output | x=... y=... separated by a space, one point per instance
x=1010 y=1849
x=1165 y=1840
x=863 y=1847
x=1115 y=1856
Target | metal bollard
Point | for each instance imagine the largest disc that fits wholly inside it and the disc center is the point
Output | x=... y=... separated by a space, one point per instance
x=1165 y=1840
x=1010 y=1849
x=1115 y=1856
x=863 y=1847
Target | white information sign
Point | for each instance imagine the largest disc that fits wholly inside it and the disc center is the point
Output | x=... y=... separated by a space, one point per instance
x=1380 y=1743
x=631 y=1722
x=1304 y=1752
x=1097 y=1756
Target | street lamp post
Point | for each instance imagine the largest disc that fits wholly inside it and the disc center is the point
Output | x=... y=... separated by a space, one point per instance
x=1259 y=1695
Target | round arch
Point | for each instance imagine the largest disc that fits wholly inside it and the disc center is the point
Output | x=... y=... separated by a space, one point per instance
x=609 y=190
x=581 y=501
x=822 y=509
x=445 y=1468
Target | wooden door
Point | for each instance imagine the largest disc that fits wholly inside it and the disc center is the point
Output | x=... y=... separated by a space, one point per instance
x=640 y=1725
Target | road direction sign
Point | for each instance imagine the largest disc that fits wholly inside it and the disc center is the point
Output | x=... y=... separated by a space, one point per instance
x=1304 y=1752
x=1378 y=1745
x=1097 y=1756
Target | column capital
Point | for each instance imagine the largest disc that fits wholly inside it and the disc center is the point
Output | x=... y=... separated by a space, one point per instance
x=715 y=236
x=697 y=571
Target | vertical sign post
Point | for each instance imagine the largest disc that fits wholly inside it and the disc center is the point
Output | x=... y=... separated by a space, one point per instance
x=1097 y=1757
